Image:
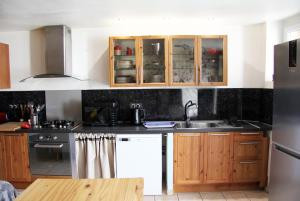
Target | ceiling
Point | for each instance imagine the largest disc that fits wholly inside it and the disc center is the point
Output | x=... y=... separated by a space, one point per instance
x=30 y=14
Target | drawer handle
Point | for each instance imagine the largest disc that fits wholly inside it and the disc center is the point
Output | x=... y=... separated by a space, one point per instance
x=249 y=133
x=248 y=162
x=219 y=134
x=249 y=143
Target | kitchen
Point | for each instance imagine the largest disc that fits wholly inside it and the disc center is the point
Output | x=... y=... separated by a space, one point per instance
x=186 y=103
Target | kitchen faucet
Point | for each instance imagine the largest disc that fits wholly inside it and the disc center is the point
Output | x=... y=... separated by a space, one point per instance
x=187 y=106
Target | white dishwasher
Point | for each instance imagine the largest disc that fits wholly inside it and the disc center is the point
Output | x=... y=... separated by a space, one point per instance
x=140 y=155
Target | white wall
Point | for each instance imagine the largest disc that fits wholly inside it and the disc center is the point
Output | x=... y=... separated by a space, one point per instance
x=254 y=55
x=246 y=55
x=274 y=36
x=290 y=24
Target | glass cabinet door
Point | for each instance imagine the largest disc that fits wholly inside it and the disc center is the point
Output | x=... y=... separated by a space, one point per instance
x=213 y=70
x=154 y=60
x=182 y=60
x=123 y=61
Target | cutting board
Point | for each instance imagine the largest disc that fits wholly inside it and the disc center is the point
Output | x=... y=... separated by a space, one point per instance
x=10 y=126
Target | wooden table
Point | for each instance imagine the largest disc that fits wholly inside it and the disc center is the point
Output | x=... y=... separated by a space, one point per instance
x=84 y=189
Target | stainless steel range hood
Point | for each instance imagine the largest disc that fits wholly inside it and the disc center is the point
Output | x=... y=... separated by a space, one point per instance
x=58 y=52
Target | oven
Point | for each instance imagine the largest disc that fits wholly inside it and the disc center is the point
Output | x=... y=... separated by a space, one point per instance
x=49 y=154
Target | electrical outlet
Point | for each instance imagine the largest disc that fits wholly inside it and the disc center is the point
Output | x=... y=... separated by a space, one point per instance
x=135 y=105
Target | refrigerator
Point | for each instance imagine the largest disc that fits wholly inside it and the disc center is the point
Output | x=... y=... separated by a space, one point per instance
x=285 y=155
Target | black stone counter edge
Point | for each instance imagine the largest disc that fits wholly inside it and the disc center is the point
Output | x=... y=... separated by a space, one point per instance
x=142 y=130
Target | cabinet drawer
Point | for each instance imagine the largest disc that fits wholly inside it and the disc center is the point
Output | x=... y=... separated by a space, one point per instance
x=246 y=171
x=242 y=136
x=247 y=150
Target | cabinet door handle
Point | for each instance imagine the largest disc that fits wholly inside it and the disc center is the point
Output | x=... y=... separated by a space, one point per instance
x=249 y=143
x=248 y=162
x=249 y=133
x=219 y=134
x=124 y=139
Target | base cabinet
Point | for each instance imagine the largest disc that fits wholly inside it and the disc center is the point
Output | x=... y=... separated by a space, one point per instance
x=220 y=161
x=14 y=166
x=218 y=157
x=188 y=159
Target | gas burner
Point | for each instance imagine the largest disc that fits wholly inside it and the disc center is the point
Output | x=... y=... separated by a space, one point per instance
x=58 y=124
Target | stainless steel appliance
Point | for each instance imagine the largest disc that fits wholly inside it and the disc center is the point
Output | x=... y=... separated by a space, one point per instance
x=49 y=150
x=285 y=157
x=58 y=52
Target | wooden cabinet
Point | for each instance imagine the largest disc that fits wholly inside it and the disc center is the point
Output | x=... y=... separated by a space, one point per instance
x=213 y=60
x=124 y=53
x=183 y=62
x=168 y=60
x=188 y=159
x=218 y=157
x=138 y=61
x=154 y=60
x=250 y=158
x=14 y=157
x=221 y=160
x=4 y=66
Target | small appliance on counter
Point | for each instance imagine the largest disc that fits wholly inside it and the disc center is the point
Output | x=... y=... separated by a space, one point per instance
x=137 y=114
x=105 y=115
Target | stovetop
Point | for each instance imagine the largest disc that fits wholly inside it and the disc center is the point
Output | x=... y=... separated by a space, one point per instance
x=57 y=125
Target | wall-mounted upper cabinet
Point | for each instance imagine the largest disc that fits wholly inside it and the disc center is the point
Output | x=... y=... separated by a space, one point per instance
x=183 y=60
x=213 y=60
x=4 y=66
x=123 y=61
x=168 y=61
x=154 y=61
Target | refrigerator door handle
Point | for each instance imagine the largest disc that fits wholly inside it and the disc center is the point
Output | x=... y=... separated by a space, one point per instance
x=287 y=151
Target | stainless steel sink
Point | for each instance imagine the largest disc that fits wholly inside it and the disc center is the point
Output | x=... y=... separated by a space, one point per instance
x=203 y=124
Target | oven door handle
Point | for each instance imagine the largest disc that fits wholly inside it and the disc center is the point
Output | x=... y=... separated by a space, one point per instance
x=51 y=146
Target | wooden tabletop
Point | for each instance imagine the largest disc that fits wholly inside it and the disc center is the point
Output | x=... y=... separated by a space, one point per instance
x=84 y=189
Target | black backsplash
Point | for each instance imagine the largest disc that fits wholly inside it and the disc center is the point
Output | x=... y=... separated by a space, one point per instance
x=159 y=104
x=22 y=97
x=168 y=104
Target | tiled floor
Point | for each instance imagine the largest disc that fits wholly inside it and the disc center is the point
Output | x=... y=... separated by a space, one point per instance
x=212 y=196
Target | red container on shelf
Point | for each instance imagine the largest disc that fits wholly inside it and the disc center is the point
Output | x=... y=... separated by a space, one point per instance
x=129 y=51
x=117 y=50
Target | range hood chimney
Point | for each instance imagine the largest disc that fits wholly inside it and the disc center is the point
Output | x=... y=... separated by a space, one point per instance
x=58 y=52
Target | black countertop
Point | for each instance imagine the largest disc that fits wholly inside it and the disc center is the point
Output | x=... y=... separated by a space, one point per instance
x=129 y=129
x=257 y=126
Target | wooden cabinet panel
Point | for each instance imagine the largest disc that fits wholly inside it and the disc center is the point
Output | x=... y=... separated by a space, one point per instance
x=183 y=62
x=218 y=157
x=153 y=59
x=123 y=59
x=243 y=136
x=213 y=60
x=246 y=171
x=2 y=159
x=4 y=66
x=15 y=157
x=247 y=150
x=188 y=159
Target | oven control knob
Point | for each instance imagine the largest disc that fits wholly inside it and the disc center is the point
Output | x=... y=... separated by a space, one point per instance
x=41 y=137
x=55 y=138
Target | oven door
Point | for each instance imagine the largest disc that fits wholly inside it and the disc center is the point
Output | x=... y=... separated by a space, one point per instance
x=48 y=158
